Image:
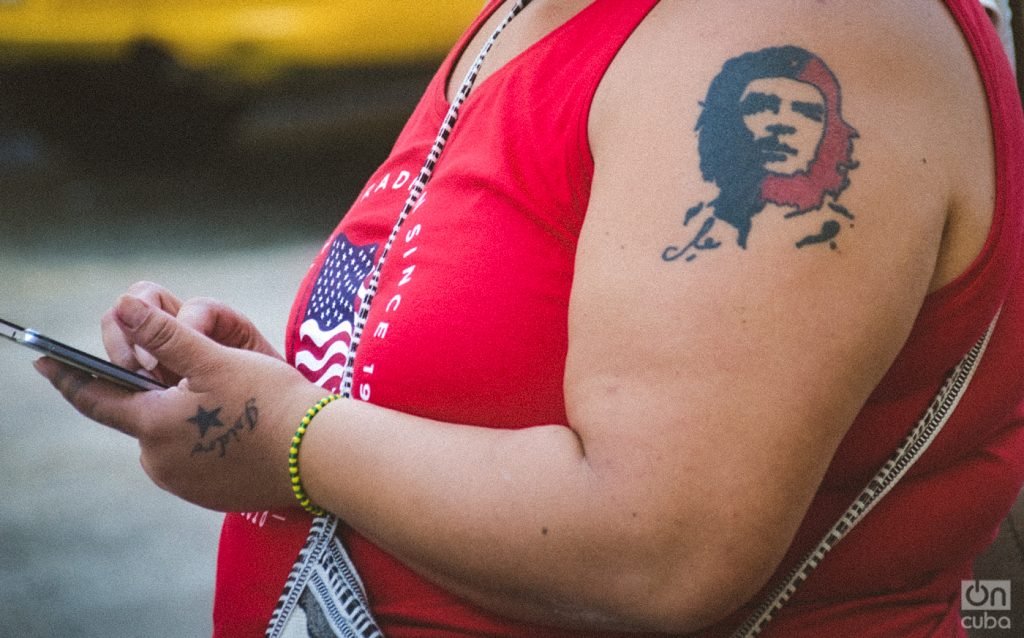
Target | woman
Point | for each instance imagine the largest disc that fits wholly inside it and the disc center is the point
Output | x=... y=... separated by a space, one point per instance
x=556 y=428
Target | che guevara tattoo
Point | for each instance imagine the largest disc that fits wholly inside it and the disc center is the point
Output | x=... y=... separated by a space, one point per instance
x=771 y=137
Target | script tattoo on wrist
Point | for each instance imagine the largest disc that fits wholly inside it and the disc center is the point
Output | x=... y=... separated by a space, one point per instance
x=771 y=137
x=205 y=419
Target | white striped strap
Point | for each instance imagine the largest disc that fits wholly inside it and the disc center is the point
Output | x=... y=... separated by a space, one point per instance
x=894 y=469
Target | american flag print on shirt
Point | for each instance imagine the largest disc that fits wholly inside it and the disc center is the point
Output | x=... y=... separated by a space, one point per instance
x=325 y=335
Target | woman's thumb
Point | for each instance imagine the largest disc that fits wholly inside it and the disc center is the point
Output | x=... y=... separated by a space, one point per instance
x=176 y=346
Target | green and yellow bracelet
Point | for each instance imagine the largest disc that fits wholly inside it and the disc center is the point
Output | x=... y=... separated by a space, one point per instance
x=293 y=456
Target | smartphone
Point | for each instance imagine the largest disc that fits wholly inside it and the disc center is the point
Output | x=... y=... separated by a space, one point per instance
x=76 y=358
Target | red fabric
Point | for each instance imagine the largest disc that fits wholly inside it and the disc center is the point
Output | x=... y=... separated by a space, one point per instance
x=469 y=326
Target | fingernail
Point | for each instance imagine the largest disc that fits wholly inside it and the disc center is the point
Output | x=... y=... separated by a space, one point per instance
x=131 y=311
x=145 y=359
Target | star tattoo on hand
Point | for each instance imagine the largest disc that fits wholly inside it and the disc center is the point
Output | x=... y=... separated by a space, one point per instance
x=206 y=419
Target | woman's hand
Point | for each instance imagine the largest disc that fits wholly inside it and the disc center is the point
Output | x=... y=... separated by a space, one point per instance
x=209 y=317
x=218 y=438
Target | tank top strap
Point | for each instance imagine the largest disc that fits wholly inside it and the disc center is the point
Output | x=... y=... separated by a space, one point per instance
x=1000 y=87
x=1002 y=247
x=590 y=39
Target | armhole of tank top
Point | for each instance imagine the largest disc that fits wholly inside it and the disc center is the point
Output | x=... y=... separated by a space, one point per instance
x=982 y=51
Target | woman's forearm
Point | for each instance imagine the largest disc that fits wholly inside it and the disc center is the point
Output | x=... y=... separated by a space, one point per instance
x=518 y=521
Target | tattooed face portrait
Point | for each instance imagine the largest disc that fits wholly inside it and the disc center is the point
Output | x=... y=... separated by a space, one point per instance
x=771 y=131
x=787 y=119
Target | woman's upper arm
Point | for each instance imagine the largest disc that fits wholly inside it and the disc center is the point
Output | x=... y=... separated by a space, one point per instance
x=764 y=224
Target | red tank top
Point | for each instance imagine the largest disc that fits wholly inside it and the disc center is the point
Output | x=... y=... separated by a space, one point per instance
x=470 y=326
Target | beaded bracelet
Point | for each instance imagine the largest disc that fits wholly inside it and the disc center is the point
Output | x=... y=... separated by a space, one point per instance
x=293 y=456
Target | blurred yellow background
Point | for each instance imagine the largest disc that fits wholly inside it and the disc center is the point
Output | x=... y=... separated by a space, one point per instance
x=250 y=39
